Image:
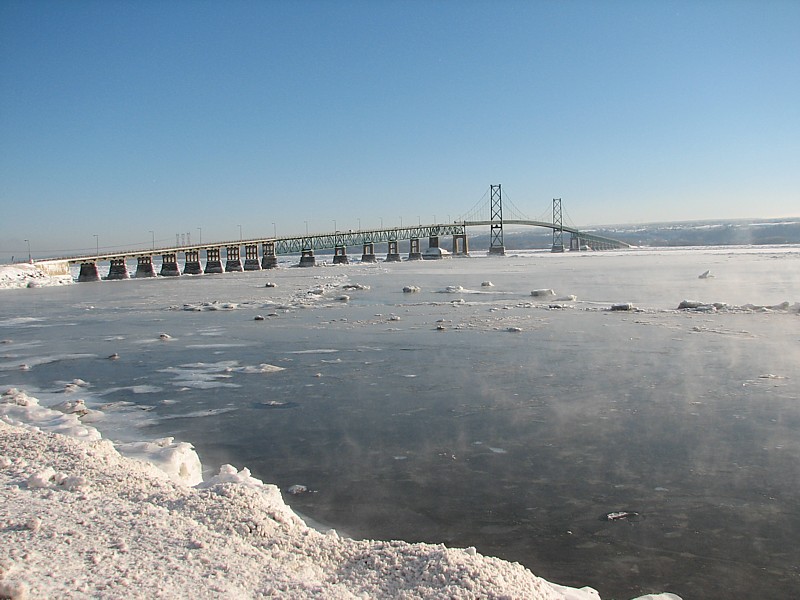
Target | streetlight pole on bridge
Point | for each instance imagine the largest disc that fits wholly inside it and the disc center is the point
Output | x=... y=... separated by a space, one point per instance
x=97 y=243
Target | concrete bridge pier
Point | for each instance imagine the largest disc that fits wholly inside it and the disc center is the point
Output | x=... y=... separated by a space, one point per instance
x=169 y=265
x=233 y=261
x=88 y=272
x=269 y=260
x=118 y=269
x=213 y=261
x=460 y=245
x=307 y=258
x=413 y=250
x=368 y=255
x=393 y=255
x=251 y=258
x=340 y=255
x=192 y=263
x=144 y=267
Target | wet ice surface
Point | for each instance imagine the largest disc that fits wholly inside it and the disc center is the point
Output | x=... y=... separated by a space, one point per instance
x=468 y=414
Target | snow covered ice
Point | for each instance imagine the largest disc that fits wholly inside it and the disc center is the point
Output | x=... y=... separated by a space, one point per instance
x=512 y=446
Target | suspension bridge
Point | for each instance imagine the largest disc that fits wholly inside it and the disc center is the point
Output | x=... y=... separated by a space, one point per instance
x=262 y=253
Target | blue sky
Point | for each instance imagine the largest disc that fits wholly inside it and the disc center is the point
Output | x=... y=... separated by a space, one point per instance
x=125 y=117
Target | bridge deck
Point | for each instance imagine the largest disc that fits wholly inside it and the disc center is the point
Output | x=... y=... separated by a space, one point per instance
x=337 y=239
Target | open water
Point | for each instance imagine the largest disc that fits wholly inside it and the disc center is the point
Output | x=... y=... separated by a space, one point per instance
x=468 y=414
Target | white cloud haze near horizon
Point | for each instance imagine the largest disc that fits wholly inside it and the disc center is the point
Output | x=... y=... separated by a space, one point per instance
x=138 y=121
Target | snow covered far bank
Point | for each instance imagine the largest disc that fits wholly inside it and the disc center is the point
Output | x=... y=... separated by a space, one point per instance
x=77 y=520
x=24 y=275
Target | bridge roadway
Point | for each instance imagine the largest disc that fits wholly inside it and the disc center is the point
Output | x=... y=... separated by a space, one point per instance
x=271 y=247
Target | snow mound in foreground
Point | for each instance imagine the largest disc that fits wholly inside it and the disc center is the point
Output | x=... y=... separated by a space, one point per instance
x=81 y=520
x=69 y=504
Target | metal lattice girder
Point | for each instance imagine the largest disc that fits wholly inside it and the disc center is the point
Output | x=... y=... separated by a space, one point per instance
x=357 y=238
x=558 y=230
x=496 y=228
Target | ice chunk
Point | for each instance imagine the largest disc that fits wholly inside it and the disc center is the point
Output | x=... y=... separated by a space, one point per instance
x=622 y=306
x=177 y=459
x=545 y=292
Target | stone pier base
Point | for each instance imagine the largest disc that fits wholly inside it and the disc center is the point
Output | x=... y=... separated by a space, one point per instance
x=192 y=263
x=88 y=272
x=251 y=258
x=213 y=261
x=368 y=255
x=340 y=256
x=118 y=269
x=144 y=267
x=414 y=253
x=169 y=265
x=233 y=261
x=393 y=255
x=307 y=258
x=269 y=260
x=460 y=245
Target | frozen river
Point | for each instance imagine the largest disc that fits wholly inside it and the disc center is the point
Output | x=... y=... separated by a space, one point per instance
x=469 y=414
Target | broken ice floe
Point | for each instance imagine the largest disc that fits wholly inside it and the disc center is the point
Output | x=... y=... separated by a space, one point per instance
x=211 y=306
x=275 y=404
x=698 y=306
x=620 y=515
x=706 y=275
x=543 y=293
x=622 y=306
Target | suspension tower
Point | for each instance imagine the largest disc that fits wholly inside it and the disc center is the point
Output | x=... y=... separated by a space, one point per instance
x=558 y=232
x=496 y=246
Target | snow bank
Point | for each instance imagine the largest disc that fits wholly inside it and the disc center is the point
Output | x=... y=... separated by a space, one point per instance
x=142 y=535
x=78 y=519
x=34 y=275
